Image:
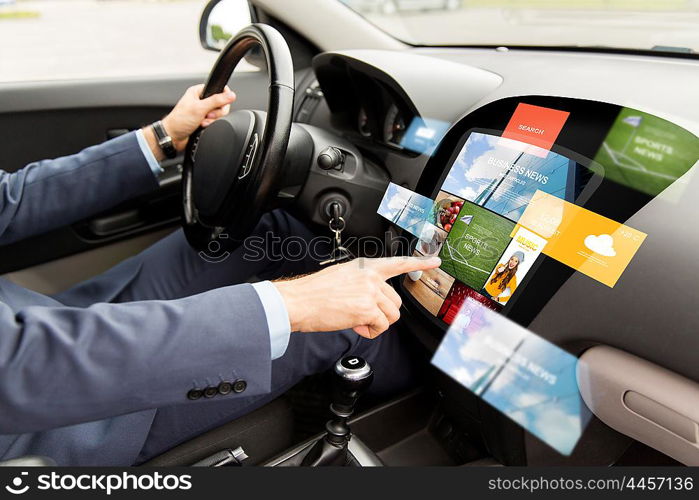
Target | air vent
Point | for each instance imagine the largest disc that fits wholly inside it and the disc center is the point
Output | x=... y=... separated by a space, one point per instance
x=311 y=98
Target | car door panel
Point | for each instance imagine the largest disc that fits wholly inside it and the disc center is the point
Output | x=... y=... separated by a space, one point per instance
x=48 y=120
x=45 y=120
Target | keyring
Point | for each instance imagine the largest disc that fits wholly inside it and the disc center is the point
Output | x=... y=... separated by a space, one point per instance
x=340 y=221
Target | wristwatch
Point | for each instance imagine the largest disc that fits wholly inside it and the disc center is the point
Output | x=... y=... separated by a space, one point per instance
x=164 y=140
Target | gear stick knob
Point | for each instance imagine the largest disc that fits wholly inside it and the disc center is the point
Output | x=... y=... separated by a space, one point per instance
x=353 y=376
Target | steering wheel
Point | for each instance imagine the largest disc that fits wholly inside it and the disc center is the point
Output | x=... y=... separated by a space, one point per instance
x=232 y=167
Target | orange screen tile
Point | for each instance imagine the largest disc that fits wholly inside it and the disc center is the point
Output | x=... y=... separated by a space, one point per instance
x=536 y=125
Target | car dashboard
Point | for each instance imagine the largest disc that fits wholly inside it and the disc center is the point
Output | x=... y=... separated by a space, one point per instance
x=626 y=147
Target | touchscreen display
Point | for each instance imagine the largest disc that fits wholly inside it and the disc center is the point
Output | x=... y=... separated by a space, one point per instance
x=503 y=204
x=473 y=225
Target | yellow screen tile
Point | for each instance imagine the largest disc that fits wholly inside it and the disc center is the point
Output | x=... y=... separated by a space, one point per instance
x=589 y=243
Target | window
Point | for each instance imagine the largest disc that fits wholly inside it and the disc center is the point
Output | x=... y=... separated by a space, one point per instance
x=92 y=39
x=662 y=25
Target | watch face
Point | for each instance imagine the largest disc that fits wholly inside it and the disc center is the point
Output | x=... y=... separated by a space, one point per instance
x=164 y=140
x=168 y=147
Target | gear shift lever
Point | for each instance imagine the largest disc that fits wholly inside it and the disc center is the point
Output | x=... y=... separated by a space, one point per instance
x=353 y=375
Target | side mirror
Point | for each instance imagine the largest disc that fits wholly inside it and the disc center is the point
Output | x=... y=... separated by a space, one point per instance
x=221 y=20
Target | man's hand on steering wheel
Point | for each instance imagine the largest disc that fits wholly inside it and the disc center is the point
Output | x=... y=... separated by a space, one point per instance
x=190 y=113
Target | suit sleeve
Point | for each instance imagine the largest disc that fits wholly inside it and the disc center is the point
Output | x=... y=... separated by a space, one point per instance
x=52 y=193
x=61 y=366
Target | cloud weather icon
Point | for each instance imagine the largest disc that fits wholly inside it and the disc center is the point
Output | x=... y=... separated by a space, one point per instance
x=602 y=244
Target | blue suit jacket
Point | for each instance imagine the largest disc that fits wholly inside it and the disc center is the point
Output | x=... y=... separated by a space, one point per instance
x=75 y=382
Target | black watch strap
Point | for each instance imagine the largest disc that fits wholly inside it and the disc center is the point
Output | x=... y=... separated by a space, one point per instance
x=164 y=140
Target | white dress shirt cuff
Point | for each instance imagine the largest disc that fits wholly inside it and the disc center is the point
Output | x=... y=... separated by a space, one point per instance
x=150 y=157
x=277 y=317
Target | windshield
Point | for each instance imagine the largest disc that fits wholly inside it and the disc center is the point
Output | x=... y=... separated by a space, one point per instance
x=666 y=25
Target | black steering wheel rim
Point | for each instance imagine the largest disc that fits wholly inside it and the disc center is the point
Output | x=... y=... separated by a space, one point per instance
x=249 y=195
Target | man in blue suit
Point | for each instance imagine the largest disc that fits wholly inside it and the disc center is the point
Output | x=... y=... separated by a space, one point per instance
x=166 y=345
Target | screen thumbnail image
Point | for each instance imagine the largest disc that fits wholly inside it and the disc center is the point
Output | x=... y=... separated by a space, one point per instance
x=514 y=264
x=446 y=209
x=430 y=240
x=406 y=209
x=496 y=173
x=424 y=135
x=429 y=287
x=528 y=379
x=475 y=244
x=458 y=295
x=646 y=153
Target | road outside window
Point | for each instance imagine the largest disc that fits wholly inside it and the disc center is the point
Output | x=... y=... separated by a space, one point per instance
x=93 y=39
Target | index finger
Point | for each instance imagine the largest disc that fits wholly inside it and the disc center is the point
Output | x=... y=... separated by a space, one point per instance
x=393 y=266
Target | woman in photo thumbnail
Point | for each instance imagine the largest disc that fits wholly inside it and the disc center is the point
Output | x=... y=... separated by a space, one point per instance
x=504 y=279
